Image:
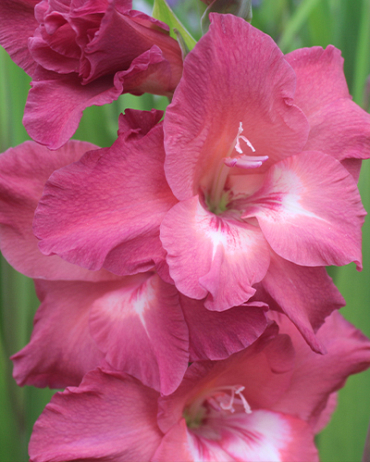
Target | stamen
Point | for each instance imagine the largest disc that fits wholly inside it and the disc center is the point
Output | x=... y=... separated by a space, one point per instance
x=245 y=161
x=239 y=137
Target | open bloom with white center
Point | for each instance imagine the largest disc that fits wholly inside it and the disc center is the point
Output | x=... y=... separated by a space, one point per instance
x=138 y=324
x=253 y=158
x=263 y=404
x=245 y=191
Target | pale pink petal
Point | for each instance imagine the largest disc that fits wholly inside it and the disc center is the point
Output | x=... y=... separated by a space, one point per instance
x=259 y=437
x=320 y=77
x=17 y=24
x=348 y=352
x=234 y=329
x=105 y=210
x=306 y=295
x=109 y=417
x=310 y=212
x=61 y=349
x=252 y=85
x=23 y=173
x=141 y=329
x=213 y=256
x=341 y=129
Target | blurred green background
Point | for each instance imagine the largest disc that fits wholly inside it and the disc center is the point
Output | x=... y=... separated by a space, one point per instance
x=292 y=24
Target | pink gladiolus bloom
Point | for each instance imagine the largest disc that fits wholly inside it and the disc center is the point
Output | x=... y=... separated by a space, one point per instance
x=263 y=404
x=106 y=211
x=138 y=324
x=253 y=154
x=84 y=53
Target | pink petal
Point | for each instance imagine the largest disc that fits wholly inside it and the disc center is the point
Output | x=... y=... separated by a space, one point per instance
x=77 y=71
x=23 y=173
x=56 y=101
x=17 y=24
x=234 y=329
x=109 y=417
x=106 y=209
x=341 y=129
x=213 y=256
x=320 y=77
x=174 y=445
x=306 y=295
x=253 y=85
x=310 y=211
x=259 y=437
x=135 y=34
x=149 y=73
x=141 y=329
x=338 y=126
x=348 y=352
x=61 y=349
x=264 y=369
x=50 y=56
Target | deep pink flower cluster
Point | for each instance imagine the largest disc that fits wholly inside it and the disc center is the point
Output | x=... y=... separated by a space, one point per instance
x=185 y=302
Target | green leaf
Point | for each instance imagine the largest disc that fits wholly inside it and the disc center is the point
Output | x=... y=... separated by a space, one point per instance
x=295 y=23
x=164 y=13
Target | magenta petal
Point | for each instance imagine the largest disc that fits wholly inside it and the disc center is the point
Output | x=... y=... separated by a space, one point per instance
x=348 y=352
x=135 y=34
x=109 y=417
x=253 y=85
x=141 y=329
x=23 y=173
x=310 y=211
x=175 y=445
x=149 y=73
x=61 y=349
x=55 y=104
x=234 y=329
x=306 y=295
x=212 y=256
x=106 y=209
x=18 y=23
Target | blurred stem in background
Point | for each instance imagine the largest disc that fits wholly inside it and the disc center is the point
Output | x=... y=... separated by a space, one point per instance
x=293 y=24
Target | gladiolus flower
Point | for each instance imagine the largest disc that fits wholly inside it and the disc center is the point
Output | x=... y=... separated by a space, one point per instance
x=258 y=405
x=85 y=53
x=139 y=324
x=242 y=201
